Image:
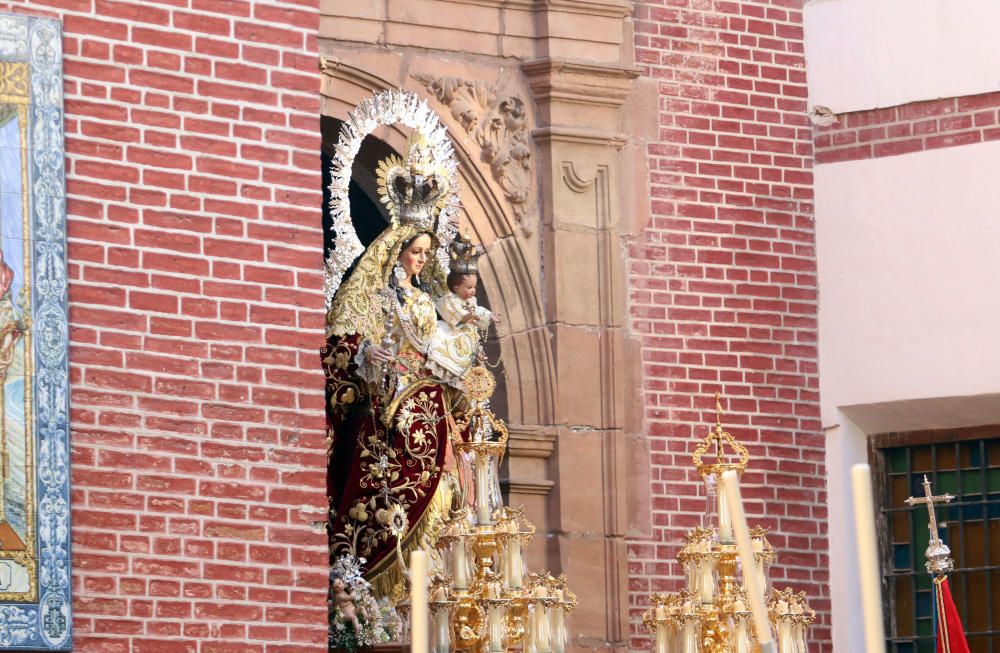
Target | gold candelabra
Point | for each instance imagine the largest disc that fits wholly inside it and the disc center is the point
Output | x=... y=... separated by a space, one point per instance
x=712 y=614
x=483 y=599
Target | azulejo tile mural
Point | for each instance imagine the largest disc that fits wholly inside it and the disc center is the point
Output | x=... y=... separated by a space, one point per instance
x=34 y=383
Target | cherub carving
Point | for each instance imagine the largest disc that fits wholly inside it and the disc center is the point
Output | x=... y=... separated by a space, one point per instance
x=344 y=601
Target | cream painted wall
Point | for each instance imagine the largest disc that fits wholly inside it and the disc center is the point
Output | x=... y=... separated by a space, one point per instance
x=863 y=54
x=908 y=252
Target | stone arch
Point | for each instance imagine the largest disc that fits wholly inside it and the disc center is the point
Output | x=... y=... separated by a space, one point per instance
x=513 y=286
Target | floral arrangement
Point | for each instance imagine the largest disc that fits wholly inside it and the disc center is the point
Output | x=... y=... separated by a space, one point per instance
x=376 y=622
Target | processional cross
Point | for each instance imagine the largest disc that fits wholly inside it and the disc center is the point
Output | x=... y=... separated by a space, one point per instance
x=938 y=554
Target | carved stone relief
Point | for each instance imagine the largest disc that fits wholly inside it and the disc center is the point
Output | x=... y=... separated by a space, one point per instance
x=498 y=124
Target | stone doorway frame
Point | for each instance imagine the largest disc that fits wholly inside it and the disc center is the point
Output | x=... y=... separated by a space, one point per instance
x=556 y=271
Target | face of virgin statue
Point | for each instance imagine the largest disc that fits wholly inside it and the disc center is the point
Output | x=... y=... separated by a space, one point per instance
x=414 y=257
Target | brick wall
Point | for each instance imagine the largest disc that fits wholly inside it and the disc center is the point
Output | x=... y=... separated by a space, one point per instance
x=912 y=127
x=723 y=283
x=192 y=140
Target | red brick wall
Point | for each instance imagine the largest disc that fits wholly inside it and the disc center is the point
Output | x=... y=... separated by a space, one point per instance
x=196 y=314
x=913 y=127
x=723 y=283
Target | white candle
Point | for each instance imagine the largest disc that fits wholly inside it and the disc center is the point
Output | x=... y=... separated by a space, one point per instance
x=693 y=578
x=707 y=580
x=757 y=545
x=755 y=593
x=460 y=564
x=785 y=643
x=543 y=632
x=661 y=629
x=442 y=640
x=800 y=638
x=495 y=621
x=725 y=523
x=483 y=516
x=868 y=567
x=531 y=636
x=515 y=568
x=418 y=601
x=558 y=630
x=689 y=639
x=741 y=633
x=795 y=628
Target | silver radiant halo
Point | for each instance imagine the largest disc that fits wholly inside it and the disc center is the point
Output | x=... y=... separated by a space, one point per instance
x=385 y=108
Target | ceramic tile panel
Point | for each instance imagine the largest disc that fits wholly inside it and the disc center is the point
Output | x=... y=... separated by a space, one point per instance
x=34 y=384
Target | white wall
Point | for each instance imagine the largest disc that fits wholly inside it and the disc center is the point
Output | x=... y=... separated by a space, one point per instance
x=908 y=252
x=863 y=54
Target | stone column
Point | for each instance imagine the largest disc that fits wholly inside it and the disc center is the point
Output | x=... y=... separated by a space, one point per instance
x=580 y=172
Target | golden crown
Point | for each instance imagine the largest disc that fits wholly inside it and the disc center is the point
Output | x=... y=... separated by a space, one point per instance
x=720 y=439
x=413 y=190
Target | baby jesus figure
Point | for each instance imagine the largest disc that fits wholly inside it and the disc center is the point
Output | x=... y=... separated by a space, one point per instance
x=455 y=343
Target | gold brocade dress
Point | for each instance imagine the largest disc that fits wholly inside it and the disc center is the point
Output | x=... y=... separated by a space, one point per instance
x=389 y=430
x=413 y=323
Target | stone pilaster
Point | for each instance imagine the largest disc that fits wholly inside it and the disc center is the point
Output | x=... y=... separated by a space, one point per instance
x=580 y=168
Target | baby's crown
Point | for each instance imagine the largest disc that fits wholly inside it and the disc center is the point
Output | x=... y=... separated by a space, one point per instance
x=464 y=255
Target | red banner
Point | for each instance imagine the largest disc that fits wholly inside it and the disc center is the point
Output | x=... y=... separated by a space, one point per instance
x=950 y=635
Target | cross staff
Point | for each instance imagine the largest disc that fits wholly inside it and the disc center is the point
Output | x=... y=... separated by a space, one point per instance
x=938 y=554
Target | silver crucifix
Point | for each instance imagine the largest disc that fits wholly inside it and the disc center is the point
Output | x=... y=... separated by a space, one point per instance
x=938 y=554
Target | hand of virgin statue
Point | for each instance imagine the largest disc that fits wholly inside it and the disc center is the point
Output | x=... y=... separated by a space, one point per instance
x=378 y=355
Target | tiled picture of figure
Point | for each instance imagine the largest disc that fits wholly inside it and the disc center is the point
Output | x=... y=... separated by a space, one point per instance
x=17 y=532
x=34 y=382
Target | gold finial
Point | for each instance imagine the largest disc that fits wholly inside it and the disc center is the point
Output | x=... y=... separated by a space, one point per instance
x=720 y=439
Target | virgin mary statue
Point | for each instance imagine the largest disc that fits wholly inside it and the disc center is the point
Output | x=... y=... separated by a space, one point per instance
x=387 y=412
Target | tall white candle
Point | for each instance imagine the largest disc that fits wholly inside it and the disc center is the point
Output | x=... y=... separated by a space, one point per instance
x=515 y=569
x=689 y=637
x=868 y=567
x=558 y=629
x=494 y=619
x=707 y=584
x=460 y=564
x=757 y=545
x=442 y=639
x=661 y=629
x=755 y=593
x=725 y=523
x=532 y=634
x=418 y=601
x=741 y=630
x=543 y=633
x=483 y=516
x=797 y=634
x=785 y=643
x=693 y=577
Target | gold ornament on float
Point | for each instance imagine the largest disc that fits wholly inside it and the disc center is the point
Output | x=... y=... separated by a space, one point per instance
x=484 y=599
x=712 y=613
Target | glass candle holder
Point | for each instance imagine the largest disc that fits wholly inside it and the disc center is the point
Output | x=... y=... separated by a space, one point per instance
x=559 y=634
x=496 y=624
x=457 y=562
x=488 y=500
x=441 y=638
